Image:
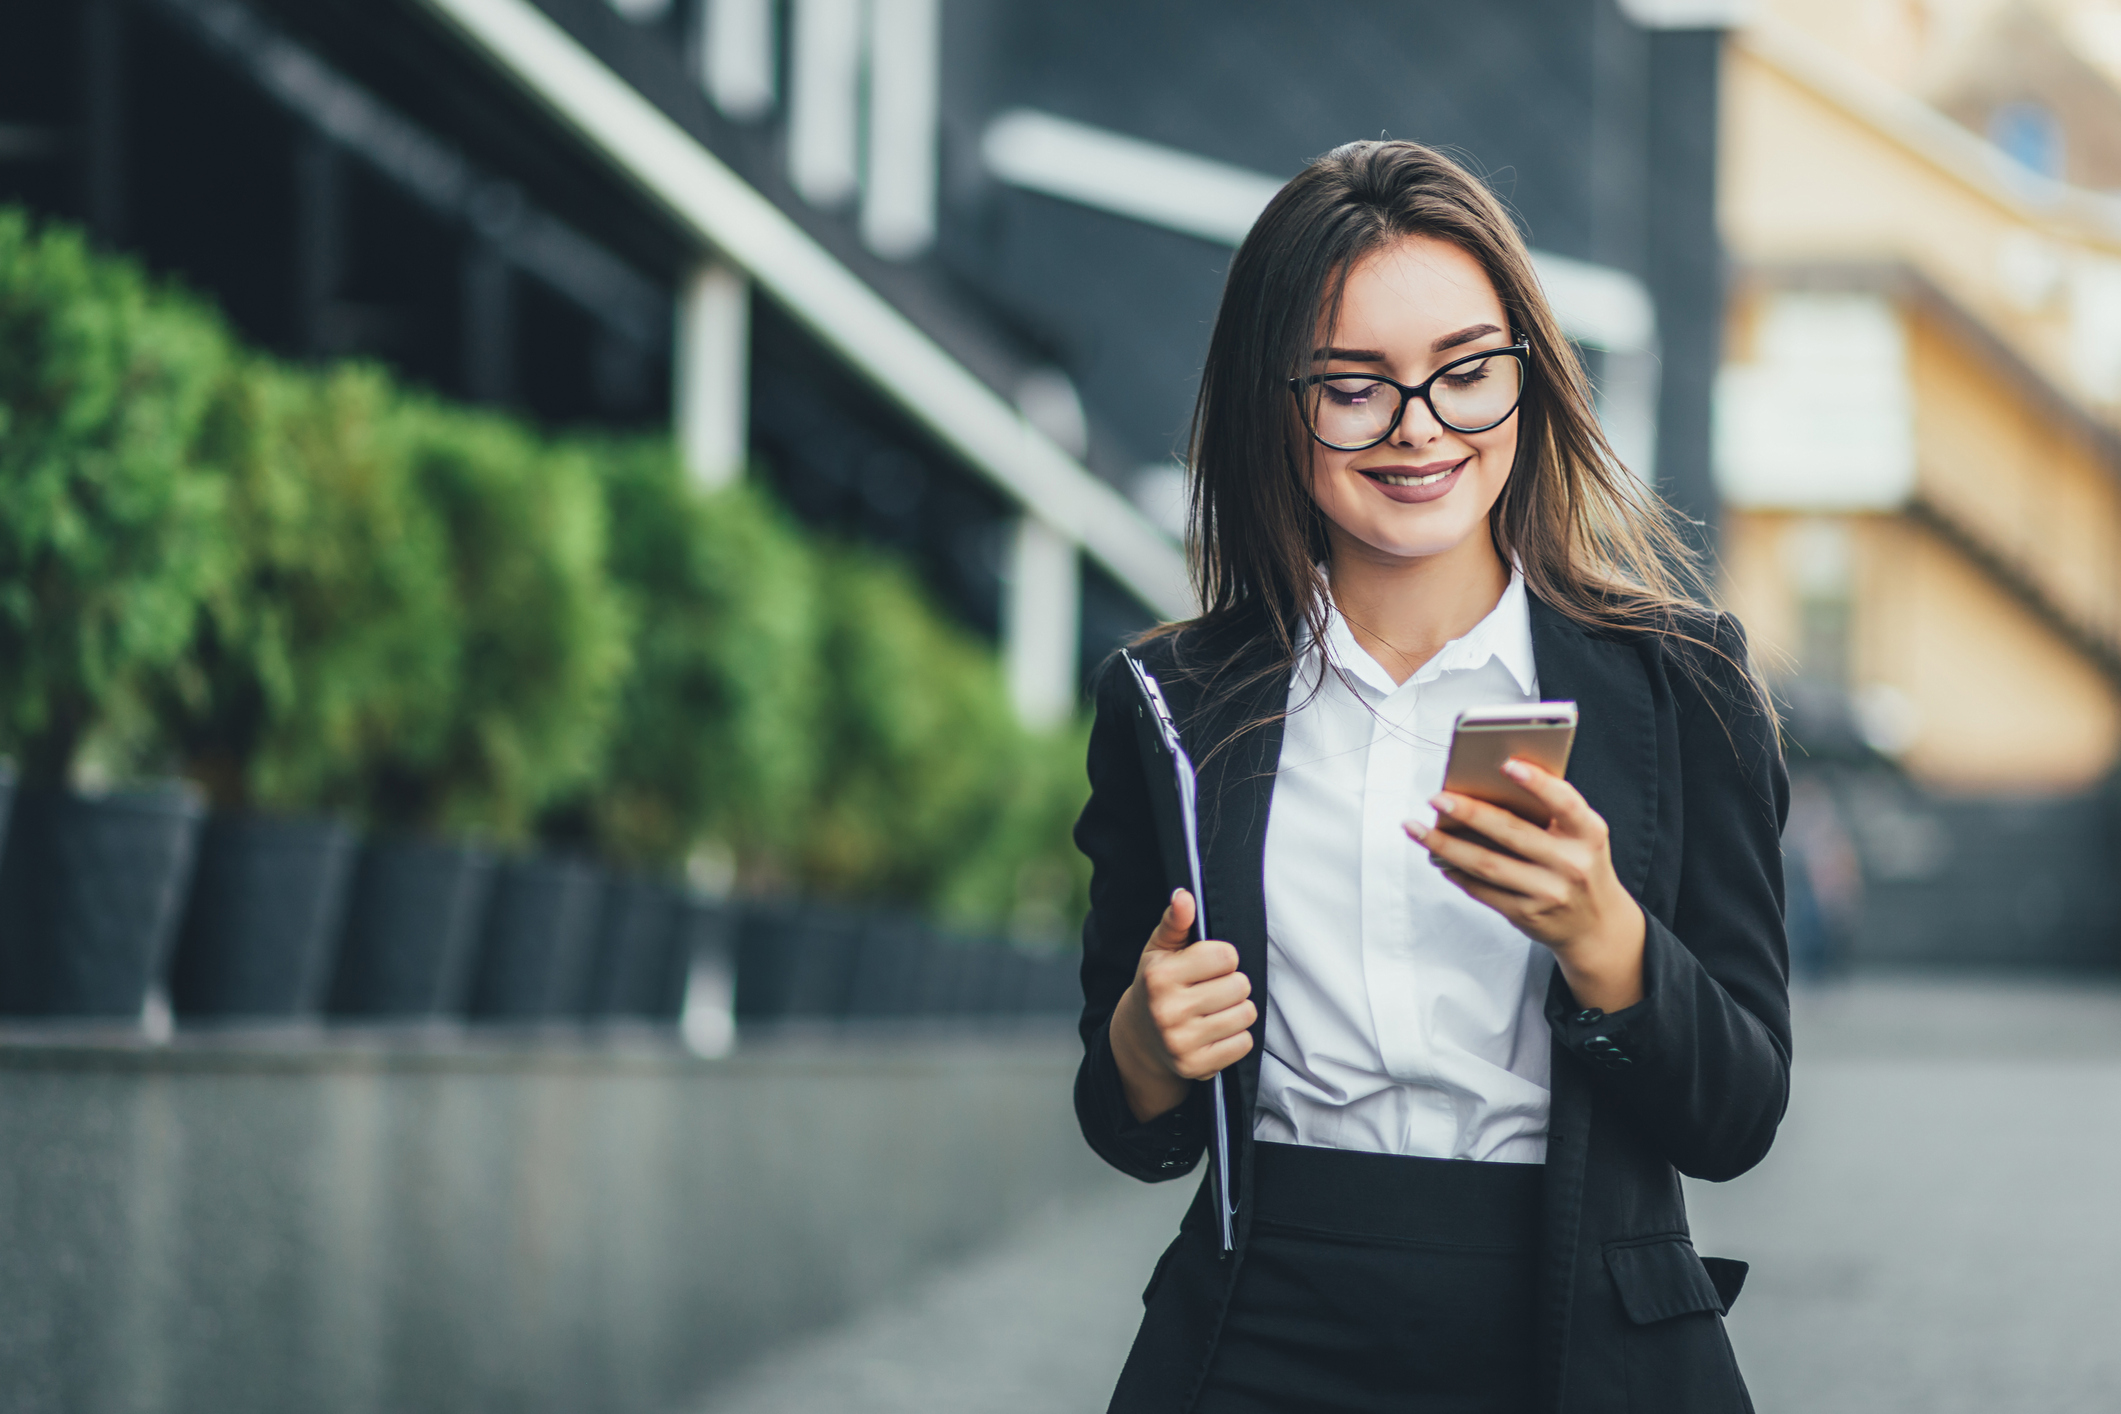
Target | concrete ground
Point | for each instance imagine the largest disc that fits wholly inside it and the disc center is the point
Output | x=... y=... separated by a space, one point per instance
x=1936 y=1231
x=1939 y=1227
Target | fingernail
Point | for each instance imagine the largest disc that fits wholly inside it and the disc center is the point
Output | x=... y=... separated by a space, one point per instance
x=1516 y=770
x=1415 y=828
x=1442 y=803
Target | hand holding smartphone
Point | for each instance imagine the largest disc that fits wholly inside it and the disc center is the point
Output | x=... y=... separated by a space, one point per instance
x=1483 y=738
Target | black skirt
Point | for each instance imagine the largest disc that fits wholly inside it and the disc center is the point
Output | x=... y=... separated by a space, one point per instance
x=1374 y=1282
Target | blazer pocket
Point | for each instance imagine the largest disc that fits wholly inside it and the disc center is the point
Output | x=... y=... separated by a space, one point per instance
x=1728 y=1273
x=1661 y=1277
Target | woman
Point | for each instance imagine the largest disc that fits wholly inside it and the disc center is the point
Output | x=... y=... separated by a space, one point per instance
x=1485 y=1058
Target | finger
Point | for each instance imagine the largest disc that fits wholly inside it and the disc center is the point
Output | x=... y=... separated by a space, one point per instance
x=1566 y=803
x=1510 y=905
x=1428 y=835
x=1172 y=1005
x=1175 y=928
x=1499 y=871
x=1468 y=881
x=1511 y=831
x=1198 y=963
x=1474 y=857
x=1199 y=1065
x=1206 y=1031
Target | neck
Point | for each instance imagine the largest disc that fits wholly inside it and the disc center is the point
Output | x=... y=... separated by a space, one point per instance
x=1403 y=609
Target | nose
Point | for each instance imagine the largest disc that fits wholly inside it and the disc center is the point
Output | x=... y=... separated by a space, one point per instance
x=1417 y=425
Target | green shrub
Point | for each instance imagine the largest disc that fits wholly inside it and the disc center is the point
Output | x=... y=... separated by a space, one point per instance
x=542 y=632
x=322 y=593
x=806 y=708
x=421 y=631
x=930 y=790
x=1023 y=872
x=718 y=719
x=334 y=648
x=109 y=526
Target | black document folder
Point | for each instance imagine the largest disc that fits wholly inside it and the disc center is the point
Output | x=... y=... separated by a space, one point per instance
x=1174 y=801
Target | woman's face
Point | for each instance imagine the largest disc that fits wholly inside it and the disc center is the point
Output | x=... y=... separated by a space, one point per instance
x=1408 y=309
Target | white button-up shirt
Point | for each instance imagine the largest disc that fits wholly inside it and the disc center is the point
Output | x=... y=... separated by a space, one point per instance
x=1402 y=1016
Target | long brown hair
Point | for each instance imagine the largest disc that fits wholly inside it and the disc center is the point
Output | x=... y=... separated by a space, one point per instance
x=1591 y=540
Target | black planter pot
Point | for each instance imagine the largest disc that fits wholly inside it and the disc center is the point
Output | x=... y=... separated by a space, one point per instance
x=890 y=972
x=267 y=902
x=1056 y=985
x=934 y=975
x=412 y=930
x=808 y=957
x=828 y=951
x=763 y=960
x=984 y=988
x=796 y=961
x=635 y=936
x=701 y=937
x=91 y=890
x=541 y=929
x=1007 y=980
x=959 y=978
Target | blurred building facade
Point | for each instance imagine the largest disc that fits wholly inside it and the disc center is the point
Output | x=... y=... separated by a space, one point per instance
x=944 y=269
x=1921 y=413
x=1919 y=442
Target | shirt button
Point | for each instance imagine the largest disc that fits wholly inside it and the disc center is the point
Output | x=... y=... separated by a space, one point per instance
x=1589 y=1016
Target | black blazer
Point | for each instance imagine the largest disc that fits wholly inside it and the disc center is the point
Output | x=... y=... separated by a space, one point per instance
x=1677 y=754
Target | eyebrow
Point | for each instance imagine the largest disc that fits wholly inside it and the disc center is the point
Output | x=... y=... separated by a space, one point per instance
x=1449 y=341
x=1464 y=336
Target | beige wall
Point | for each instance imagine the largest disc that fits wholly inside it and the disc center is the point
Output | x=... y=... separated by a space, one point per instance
x=1806 y=179
x=1824 y=165
x=2000 y=462
x=2000 y=702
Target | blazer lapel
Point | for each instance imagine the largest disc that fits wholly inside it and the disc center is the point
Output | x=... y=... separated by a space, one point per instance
x=1614 y=761
x=1236 y=792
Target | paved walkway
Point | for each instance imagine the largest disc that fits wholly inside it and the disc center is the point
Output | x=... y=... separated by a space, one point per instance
x=1040 y=1325
x=1939 y=1227
x=1938 y=1230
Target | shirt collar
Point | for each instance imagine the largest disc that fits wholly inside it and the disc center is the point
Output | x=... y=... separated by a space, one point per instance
x=1505 y=635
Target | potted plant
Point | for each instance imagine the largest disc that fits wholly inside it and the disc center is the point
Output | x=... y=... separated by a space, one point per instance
x=541 y=933
x=333 y=643
x=111 y=535
x=715 y=740
x=931 y=794
x=541 y=644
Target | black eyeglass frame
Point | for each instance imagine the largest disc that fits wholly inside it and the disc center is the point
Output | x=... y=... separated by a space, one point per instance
x=1521 y=351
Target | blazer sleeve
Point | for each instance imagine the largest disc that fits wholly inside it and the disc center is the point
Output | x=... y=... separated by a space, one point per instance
x=1701 y=1065
x=1128 y=893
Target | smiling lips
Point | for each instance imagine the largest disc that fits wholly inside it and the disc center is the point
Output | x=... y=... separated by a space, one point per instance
x=1417 y=483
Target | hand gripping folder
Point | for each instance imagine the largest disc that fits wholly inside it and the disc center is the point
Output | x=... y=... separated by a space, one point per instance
x=1178 y=838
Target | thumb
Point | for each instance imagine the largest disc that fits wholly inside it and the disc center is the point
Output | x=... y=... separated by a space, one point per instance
x=1175 y=929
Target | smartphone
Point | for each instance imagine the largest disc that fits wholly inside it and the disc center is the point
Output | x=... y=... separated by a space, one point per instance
x=1485 y=737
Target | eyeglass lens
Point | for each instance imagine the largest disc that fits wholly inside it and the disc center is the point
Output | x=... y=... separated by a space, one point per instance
x=1355 y=410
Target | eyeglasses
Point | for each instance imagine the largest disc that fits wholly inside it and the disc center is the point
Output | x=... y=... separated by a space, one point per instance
x=1350 y=412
